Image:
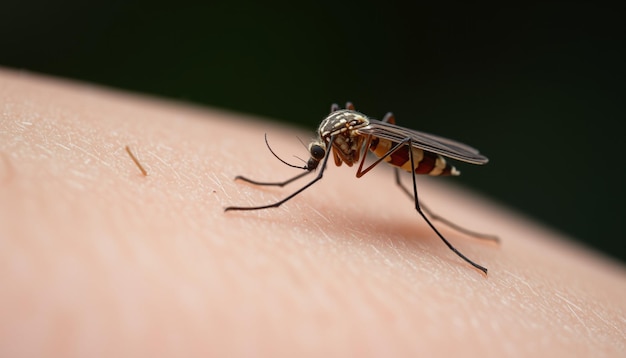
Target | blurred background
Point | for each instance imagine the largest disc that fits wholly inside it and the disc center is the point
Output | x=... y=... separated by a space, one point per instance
x=539 y=88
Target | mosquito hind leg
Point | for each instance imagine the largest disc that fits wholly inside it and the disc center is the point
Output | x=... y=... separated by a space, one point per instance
x=407 y=142
x=391 y=119
x=423 y=215
x=459 y=228
x=477 y=235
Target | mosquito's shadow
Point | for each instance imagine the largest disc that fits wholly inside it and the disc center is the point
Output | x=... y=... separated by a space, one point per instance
x=414 y=237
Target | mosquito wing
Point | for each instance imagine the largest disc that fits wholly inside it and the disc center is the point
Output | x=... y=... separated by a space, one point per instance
x=428 y=142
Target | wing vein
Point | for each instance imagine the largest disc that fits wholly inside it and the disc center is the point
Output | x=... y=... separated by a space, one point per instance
x=425 y=141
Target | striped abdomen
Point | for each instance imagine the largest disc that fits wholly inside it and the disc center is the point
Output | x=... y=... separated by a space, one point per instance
x=425 y=162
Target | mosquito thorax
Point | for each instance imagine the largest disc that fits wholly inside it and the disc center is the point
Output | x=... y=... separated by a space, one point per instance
x=341 y=121
x=342 y=125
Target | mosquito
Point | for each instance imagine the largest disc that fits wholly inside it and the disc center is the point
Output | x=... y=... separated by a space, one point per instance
x=346 y=135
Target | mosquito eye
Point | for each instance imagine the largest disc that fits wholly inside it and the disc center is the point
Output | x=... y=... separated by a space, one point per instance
x=317 y=152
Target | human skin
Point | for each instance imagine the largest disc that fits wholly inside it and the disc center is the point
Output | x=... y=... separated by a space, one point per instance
x=97 y=259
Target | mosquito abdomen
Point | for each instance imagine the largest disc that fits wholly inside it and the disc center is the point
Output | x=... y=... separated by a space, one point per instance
x=425 y=162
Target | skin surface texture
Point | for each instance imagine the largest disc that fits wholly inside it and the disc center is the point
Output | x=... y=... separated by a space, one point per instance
x=100 y=260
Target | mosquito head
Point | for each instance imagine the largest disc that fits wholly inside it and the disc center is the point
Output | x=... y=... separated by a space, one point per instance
x=318 y=152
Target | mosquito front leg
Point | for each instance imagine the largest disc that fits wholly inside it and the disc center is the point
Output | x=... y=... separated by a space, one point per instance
x=308 y=169
x=319 y=176
x=281 y=184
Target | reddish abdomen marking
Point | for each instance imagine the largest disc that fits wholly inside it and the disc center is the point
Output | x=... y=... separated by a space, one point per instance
x=425 y=162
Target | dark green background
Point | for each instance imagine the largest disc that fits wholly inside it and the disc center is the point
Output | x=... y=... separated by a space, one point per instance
x=539 y=88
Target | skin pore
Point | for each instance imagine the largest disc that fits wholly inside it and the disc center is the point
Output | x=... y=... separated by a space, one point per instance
x=99 y=259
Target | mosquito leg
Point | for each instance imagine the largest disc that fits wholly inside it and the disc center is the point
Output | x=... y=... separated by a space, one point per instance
x=279 y=203
x=419 y=210
x=360 y=172
x=281 y=184
x=407 y=142
x=478 y=235
x=389 y=118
